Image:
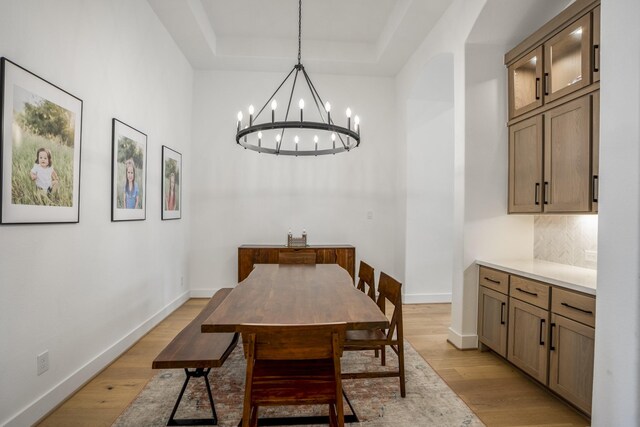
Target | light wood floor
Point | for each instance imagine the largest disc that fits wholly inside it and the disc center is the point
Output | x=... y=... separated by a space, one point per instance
x=499 y=394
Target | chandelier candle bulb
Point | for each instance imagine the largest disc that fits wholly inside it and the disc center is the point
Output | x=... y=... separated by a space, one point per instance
x=356 y=119
x=315 y=139
x=251 y=110
x=327 y=107
x=259 y=139
x=274 y=105
x=239 y=120
x=301 y=105
x=333 y=139
x=348 y=120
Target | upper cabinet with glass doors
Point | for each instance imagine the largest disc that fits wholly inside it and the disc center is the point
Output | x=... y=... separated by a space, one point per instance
x=566 y=60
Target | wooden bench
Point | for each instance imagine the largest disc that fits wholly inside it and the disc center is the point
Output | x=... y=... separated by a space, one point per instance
x=191 y=349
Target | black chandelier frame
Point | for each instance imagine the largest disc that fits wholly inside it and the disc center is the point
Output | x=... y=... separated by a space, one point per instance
x=344 y=134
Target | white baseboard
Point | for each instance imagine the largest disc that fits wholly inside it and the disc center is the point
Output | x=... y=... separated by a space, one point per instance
x=463 y=342
x=53 y=397
x=426 y=298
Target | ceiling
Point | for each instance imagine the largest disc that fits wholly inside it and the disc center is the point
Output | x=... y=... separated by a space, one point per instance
x=363 y=37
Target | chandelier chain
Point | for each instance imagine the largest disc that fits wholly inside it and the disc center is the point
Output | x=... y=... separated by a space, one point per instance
x=299 y=30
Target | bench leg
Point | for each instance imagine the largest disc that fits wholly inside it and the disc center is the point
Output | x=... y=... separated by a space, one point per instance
x=199 y=372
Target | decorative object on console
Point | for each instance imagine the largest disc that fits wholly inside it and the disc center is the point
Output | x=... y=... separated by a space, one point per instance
x=171 y=183
x=305 y=141
x=40 y=146
x=297 y=242
x=128 y=173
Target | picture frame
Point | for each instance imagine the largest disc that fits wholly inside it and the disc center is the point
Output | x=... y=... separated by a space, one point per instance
x=171 y=184
x=128 y=173
x=40 y=145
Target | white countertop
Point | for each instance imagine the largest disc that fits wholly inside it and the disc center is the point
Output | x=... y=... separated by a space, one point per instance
x=566 y=276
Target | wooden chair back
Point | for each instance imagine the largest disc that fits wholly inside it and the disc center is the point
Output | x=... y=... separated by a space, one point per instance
x=285 y=257
x=366 y=280
x=294 y=342
x=389 y=289
x=293 y=365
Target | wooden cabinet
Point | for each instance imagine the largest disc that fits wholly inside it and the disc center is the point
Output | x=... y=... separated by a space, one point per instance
x=553 y=76
x=525 y=83
x=567 y=157
x=528 y=343
x=492 y=310
x=248 y=255
x=567 y=60
x=551 y=172
x=548 y=332
x=595 y=56
x=525 y=166
x=492 y=320
x=595 y=151
x=571 y=347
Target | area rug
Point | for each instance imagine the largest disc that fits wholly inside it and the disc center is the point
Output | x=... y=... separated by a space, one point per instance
x=429 y=401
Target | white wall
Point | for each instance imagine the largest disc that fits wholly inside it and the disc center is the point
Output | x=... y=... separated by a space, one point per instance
x=241 y=196
x=429 y=172
x=617 y=360
x=87 y=291
x=445 y=41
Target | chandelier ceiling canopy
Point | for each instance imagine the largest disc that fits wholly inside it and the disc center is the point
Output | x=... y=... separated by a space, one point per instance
x=314 y=135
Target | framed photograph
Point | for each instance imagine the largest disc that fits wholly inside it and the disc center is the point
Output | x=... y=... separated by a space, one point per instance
x=171 y=183
x=128 y=173
x=40 y=136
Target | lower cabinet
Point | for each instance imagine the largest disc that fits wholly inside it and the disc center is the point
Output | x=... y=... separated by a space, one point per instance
x=492 y=320
x=528 y=344
x=546 y=331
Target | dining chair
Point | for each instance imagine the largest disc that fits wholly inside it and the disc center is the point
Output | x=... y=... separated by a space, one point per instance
x=366 y=280
x=293 y=365
x=296 y=257
x=389 y=289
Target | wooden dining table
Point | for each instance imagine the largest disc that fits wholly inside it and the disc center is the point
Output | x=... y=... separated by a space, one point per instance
x=293 y=295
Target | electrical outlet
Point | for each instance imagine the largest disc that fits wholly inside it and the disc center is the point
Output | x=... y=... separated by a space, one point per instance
x=591 y=256
x=43 y=362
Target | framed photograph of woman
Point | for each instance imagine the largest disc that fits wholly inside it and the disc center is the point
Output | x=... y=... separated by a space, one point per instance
x=40 y=136
x=171 y=183
x=128 y=173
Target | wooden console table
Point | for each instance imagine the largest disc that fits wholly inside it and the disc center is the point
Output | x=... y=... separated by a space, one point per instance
x=248 y=255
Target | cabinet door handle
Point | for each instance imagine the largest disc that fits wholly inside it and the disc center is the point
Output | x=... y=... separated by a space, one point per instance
x=576 y=308
x=497 y=282
x=537 y=87
x=596 y=58
x=546 y=83
x=551 y=346
x=502 y=306
x=541 y=336
x=595 y=188
x=537 y=193
x=546 y=191
x=527 y=292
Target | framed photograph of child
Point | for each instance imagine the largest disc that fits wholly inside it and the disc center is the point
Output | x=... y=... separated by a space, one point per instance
x=171 y=183
x=40 y=137
x=128 y=173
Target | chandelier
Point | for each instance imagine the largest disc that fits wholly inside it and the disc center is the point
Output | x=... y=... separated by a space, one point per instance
x=311 y=137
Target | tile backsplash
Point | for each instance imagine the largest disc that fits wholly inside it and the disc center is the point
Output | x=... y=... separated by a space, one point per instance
x=570 y=239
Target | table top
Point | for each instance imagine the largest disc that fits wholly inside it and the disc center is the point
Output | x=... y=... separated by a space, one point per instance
x=295 y=294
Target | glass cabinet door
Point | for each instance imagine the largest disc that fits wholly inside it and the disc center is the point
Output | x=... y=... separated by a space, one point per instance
x=568 y=59
x=596 y=44
x=525 y=90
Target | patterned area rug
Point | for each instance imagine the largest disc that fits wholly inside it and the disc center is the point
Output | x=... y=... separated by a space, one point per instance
x=429 y=401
